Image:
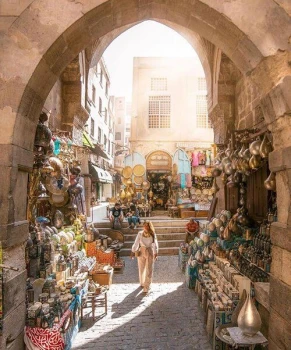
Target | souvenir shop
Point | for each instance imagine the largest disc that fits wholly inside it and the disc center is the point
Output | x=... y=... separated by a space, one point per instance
x=229 y=264
x=161 y=180
x=69 y=263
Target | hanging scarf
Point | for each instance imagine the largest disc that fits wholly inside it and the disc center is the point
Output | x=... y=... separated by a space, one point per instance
x=183 y=180
x=43 y=339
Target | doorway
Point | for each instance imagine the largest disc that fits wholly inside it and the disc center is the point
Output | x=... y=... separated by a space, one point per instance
x=160 y=189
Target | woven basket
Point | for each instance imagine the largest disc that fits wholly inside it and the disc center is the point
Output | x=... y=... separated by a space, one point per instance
x=139 y=170
x=138 y=180
x=127 y=172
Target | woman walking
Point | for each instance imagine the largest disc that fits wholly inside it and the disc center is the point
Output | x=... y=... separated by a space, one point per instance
x=146 y=248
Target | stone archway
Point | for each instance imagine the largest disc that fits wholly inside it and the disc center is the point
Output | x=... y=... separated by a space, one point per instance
x=39 y=41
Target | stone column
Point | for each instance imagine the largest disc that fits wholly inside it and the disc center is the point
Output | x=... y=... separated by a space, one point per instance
x=277 y=108
x=16 y=163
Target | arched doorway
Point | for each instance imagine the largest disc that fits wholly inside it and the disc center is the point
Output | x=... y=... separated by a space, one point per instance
x=39 y=43
x=159 y=169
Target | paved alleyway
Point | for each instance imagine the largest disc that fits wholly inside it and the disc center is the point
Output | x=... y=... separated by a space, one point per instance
x=168 y=318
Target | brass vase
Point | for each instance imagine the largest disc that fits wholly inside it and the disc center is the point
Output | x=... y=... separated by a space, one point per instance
x=255 y=162
x=266 y=147
x=255 y=147
x=249 y=319
x=241 y=152
x=270 y=183
x=237 y=310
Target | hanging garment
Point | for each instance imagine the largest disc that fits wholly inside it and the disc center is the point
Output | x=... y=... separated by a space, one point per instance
x=195 y=158
x=208 y=158
x=202 y=158
x=183 y=180
x=57 y=148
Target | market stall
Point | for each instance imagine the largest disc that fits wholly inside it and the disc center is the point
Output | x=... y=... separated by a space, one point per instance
x=59 y=265
x=230 y=263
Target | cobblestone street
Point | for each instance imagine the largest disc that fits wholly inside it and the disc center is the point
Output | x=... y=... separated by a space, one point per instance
x=168 y=318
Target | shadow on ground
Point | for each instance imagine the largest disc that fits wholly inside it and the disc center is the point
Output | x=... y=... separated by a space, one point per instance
x=168 y=318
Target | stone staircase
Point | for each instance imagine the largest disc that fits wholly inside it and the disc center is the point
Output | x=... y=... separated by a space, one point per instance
x=170 y=233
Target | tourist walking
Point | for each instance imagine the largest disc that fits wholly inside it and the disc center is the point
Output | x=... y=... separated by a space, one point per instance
x=145 y=248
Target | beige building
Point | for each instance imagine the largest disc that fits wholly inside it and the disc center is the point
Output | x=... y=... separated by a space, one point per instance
x=169 y=106
x=122 y=118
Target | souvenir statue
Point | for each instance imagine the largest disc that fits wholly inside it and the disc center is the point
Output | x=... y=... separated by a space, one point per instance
x=43 y=134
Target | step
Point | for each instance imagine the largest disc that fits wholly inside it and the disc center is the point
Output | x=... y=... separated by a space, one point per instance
x=160 y=236
x=159 y=223
x=162 y=229
x=162 y=244
x=162 y=251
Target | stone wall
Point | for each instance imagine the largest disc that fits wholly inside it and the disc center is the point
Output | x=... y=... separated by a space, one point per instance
x=247 y=102
x=40 y=38
x=53 y=106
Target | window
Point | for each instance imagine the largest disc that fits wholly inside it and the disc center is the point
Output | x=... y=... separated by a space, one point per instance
x=118 y=136
x=159 y=112
x=105 y=115
x=99 y=135
x=159 y=84
x=106 y=88
x=101 y=77
x=119 y=120
x=92 y=127
x=93 y=94
x=105 y=142
x=201 y=112
x=100 y=106
x=202 y=84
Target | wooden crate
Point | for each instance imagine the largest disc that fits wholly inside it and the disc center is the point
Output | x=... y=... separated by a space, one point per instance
x=103 y=278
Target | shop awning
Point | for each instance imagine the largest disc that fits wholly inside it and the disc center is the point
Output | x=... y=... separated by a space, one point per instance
x=99 y=151
x=87 y=140
x=96 y=149
x=108 y=177
x=99 y=174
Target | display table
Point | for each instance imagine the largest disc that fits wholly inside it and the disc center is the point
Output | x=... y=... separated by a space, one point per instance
x=242 y=340
x=61 y=336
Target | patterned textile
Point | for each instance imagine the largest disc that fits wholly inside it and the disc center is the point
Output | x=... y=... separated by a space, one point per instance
x=43 y=339
x=105 y=258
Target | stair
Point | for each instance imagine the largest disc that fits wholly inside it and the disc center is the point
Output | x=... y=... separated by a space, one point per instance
x=170 y=233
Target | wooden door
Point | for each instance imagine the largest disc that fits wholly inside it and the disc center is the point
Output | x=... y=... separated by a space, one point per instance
x=257 y=195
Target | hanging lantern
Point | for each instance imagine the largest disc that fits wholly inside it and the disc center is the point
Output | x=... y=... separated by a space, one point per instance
x=122 y=194
x=150 y=194
x=128 y=195
x=131 y=191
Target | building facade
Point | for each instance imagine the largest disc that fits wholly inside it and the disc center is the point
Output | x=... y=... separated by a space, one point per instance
x=169 y=106
x=122 y=130
x=100 y=127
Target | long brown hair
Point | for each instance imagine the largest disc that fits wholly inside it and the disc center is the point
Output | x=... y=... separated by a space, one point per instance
x=151 y=228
